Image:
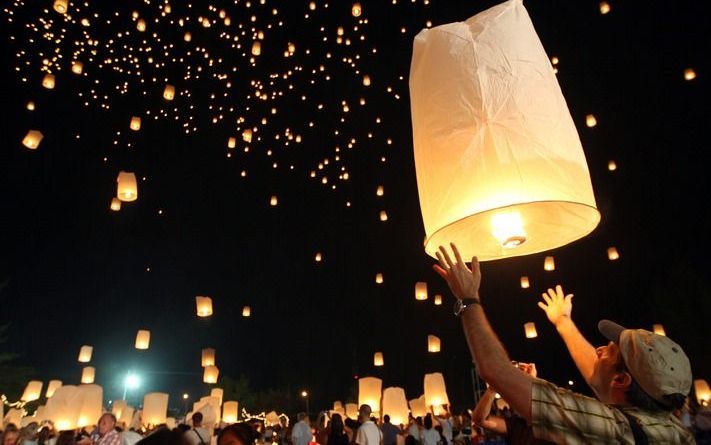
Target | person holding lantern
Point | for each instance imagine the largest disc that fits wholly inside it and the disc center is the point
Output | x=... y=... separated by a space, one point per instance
x=633 y=358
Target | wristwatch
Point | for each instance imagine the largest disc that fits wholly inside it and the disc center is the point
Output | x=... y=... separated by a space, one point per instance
x=462 y=304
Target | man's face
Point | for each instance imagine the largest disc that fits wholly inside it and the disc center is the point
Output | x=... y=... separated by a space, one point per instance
x=106 y=424
x=230 y=439
x=605 y=369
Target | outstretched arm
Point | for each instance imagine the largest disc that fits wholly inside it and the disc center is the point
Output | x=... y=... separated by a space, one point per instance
x=481 y=417
x=558 y=308
x=484 y=345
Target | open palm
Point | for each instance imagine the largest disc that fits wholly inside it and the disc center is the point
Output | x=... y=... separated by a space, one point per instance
x=556 y=305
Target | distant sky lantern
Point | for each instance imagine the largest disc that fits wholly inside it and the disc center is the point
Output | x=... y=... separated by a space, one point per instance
x=143 y=339
x=231 y=142
x=379 y=278
x=246 y=311
x=702 y=391
x=273 y=201
x=169 y=92
x=155 y=408
x=383 y=215
x=31 y=106
x=370 y=392
x=32 y=391
x=210 y=375
x=659 y=330
x=88 y=374
x=141 y=25
x=135 y=124
x=85 y=354
x=32 y=139
x=247 y=135
x=590 y=120
x=256 y=48
x=230 y=412
x=312 y=6
x=418 y=407
x=318 y=257
x=378 y=359
x=549 y=264
x=420 y=291
x=203 y=306
x=48 y=81
x=61 y=6
x=525 y=283
x=366 y=80
x=438 y=300
x=472 y=93
x=127 y=186
x=530 y=330
x=689 y=74
x=352 y=411
x=433 y=344
x=612 y=165
x=77 y=67
x=380 y=191
x=435 y=390
x=115 y=204
x=605 y=8
x=187 y=37
x=613 y=254
x=52 y=387
x=208 y=357
x=356 y=10
x=395 y=405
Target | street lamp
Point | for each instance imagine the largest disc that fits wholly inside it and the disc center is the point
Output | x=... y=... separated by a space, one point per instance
x=131 y=381
x=305 y=395
x=186 y=396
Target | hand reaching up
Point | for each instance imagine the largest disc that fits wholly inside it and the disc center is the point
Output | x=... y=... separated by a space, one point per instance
x=557 y=306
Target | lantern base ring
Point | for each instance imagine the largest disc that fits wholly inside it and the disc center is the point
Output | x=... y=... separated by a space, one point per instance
x=513 y=241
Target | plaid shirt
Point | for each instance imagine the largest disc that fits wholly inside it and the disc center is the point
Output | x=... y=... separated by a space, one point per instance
x=563 y=417
x=111 y=438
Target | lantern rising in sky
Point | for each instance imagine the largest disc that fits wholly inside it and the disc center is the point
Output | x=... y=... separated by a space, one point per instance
x=32 y=139
x=155 y=408
x=395 y=405
x=689 y=74
x=88 y=374
x=115 y=204
x=61 y=6
x=85 y=353
x=434 y=344
x=230 y=411
x=48 y=81
x=613 y=254
x=549 y=264
x=203 y=306
x=370 y=392
x=702 y=391
x=52 y=387
x=208 y=357
x=32 y=391
x=500 y=168
x=378 y=359
x=126 y=186
x=435 y=390
x=143 y=339
x=525 y=283
x=246 y=311
x=356 y=10
x=530 y=330
x=210 y=374
x=420 y=291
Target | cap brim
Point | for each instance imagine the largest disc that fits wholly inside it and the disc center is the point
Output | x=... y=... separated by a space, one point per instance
x=610 y=330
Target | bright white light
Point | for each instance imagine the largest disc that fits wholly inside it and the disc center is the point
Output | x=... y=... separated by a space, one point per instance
x=508 y=229
x=132 y=381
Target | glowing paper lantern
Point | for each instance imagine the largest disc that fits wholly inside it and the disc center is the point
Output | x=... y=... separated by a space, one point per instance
x=169 y=92
x=231 y=142
x=366 y=80
x=14 y=416
x=438 y=300
x=127 y=416
x=525 y=284
x=420 y=291
x=63 y=408
x=703 y=392
x=230 y=412
x=318 y=257
x=380 y=191
x=613 y=254
x=155 y=408
x=500 y=168
x=418 y=407
x=247 y=135
x=395 y=405
x=356 y=10
x=135 y=124
x=433 y=343
x=378 y=359
x=352 y=411
x=85 y=354
x=31 y=106
x=218 y=393
x=143 y=339
x=61 y=6
x=689 y=74
x=91 y=406
x=32 y=391
x=435 y=390
x=246 y=311
x=187 y=37
x=77 y=67
x=273 y=201
x=126 y=187
x=88 y=374
x=48 y=81
x=52 y=387
x=204 y=306
x=383 y=215
x=256 y=48
x=141 y=25
x=208 y=357
x=369 y=392
x=659 y=330
x=32 y=139
x=549 y=264
x=590 y=120
x=530 y=330
x=118 y=407
x=210 y=375
x=604 y=8
x=379 y=278
x=612 y=166
x=115 y=204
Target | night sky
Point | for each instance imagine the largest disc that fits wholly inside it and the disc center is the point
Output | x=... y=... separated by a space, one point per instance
x=78 y=273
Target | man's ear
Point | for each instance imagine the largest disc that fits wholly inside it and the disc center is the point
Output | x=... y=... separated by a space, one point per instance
x=622 y=380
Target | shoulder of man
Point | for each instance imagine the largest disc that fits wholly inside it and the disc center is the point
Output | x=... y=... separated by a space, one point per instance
x=660 y=427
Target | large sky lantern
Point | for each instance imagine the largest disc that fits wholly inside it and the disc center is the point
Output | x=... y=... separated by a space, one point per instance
x=702 y=391
x=115 y=205
x=85 y=353
x=32 y=139
x=352 y=411
x=117 y=408
x=155 y=408
x=356 y=9
x=32 y=392
x=246 y=311
x=530 y=330
x=208 y=357
x=88 y=374
x=48 y=81
x=525 y=282
x=418 y=407
x=435 y=390
x=210 y=374
x=217 y=393
x=256 y=48
x=549 y=264
x=378 y=359
x=204 y=306
x=143 y=339
x=61 y=6
x=395 y=405
x=63 y=408
x=378 y=278
x=370 y=392
x=135 y=124
x=500 y=168
x=126 y=186
x=52 y=387
x=91 y=406
x=434 y=344
x=421 y=291
x=230 y=412
x=77 y=67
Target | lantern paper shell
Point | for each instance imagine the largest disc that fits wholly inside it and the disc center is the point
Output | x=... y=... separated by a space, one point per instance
x=420 y=290
x=604 y=8
x=118 y=407
x=231 y=142
x=433 y=343
x=143 y=339
x=612 y=166
x=256 y=48
x=246 y=311
x=218 y=393
x=395 y=405
x=61 y=6
x=383 y=215
x=549 y=264
x=352 y=411
x=32 y=391
x=208 y=357
x=378 y=359
x=702 y=391
x=689 y=74
x=52 y=387
x=13 y=416
x=613 y=254
x=530 y=330
x=77 y=67
x=135 y=124
x=32 y=139
x=155 y=408
x=85 y=353
x=435 y=390
x=356 y=10
x=210 y=409
x=380 y=191
x=525 y=283
x=273 y=201
x=366 y=82
x=48 y=81
x=115 y=204
x=379 y=278
x=88 y=374
x=590 y=120
x=659 y=330
x=370 y=392
x=418 y=407
x=247 y=135
x=126 y=186
x=169 y=92
x=438 y=300
x=204 y=306
x=63 y=408
x=91 y=407
x=500 y=168
x=230 y=412
x=210 y=375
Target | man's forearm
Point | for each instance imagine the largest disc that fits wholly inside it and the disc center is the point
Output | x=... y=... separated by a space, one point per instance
x=493 y=361
x=483 y=408
x=580 y=349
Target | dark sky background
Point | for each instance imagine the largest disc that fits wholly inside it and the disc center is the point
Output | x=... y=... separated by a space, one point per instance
x=77 y=273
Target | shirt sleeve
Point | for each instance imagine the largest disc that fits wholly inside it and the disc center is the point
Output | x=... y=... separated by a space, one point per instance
x=562 y=416
x=360 y=439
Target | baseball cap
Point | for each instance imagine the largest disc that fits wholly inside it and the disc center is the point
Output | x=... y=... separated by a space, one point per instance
x=658 y=364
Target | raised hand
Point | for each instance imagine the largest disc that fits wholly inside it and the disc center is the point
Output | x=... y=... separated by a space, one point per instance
x=557 y=306
x=463 y=281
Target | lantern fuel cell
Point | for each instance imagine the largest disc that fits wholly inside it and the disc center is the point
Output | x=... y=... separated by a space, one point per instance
x=500 y=168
